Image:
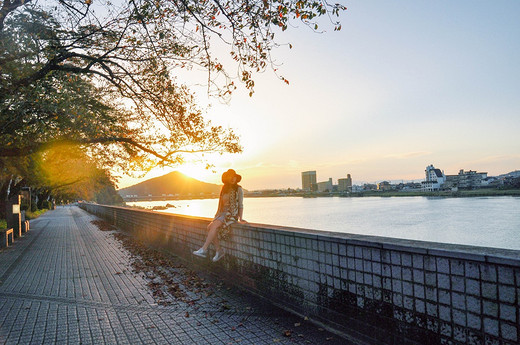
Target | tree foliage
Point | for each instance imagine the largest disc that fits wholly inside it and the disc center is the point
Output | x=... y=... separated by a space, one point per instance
x=104 y=76
x=130 y=53
x=43 y=104
x=60 y=173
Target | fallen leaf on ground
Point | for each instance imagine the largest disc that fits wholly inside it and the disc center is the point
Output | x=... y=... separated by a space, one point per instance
x=168 y=279
x=102 y=225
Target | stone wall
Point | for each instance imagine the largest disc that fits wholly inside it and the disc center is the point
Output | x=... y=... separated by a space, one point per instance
x=373 y=289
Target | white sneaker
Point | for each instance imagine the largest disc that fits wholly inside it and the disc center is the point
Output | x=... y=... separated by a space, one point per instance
x=200 y=253
x=219 y=255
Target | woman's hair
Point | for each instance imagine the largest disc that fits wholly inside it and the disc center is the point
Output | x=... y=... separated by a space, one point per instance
x=226 y=188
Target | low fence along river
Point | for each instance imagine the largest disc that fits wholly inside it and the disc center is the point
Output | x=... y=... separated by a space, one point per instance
x=374 y=290
x=479 y=221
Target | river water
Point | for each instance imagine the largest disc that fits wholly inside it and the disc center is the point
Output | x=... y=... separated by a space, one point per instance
x=481 y=221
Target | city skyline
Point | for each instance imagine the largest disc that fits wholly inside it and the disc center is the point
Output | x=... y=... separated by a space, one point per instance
x=400 y=86
x=351 y=181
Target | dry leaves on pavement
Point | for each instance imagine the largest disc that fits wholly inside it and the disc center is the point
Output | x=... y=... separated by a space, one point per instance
x=169 y=280
x=103 y=226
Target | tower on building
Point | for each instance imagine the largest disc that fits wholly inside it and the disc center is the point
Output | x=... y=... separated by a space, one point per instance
x=345 y=184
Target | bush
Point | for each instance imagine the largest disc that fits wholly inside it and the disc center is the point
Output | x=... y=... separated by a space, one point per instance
x=46 y=204
x=3 y=224
x=33 y=215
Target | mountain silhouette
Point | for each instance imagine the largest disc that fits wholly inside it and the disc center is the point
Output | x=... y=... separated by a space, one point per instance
x=174 y=183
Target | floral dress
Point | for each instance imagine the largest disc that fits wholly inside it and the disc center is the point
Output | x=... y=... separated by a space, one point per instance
x=228 y=211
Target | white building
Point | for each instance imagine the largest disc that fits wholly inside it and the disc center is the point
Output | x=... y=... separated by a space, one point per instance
x=434 y=179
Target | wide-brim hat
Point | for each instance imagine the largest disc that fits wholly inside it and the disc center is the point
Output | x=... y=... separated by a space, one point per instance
x=229 y=174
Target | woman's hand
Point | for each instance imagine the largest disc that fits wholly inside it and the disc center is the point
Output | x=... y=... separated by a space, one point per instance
x=243 y=221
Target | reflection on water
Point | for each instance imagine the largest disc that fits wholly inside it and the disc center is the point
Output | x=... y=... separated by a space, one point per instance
x=485 y=221
x=197 y=207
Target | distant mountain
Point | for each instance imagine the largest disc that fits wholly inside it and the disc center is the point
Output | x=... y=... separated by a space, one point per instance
x=513 y=174
x=172 y=183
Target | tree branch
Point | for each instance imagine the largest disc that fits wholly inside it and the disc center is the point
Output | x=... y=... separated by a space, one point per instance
x=8 y=7
x=38 y=147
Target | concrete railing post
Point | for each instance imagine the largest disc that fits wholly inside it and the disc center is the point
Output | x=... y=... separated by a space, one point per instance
x=25 y=226
x=9 y=238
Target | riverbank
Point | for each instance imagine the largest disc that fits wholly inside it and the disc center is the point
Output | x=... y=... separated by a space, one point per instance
x=458 y=194
x=448 y=194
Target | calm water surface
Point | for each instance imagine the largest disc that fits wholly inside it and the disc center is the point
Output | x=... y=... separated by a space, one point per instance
x=486 y=221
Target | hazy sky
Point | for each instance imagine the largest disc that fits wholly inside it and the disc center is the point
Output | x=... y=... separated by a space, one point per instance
x=403 y=85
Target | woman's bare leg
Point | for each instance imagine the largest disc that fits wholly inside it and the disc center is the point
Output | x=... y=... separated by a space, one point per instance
x=216 y=243
x=212 y=235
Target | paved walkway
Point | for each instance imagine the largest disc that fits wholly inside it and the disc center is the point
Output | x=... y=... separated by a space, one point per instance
x=66 y=281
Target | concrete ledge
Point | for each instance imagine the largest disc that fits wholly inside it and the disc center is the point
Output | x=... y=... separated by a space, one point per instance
x=376 y=289
x=412 y=246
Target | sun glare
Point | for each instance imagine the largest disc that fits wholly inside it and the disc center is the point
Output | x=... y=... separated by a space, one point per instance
x=198 y=172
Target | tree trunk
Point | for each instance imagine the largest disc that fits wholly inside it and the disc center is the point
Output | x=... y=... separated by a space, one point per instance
x=4 y=188
x=14 y=220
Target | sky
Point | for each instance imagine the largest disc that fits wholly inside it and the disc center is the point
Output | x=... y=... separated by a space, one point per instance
x=403 y=85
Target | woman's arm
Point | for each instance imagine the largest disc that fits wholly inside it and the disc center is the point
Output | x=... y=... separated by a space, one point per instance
x=219 y=203
x=240 y=204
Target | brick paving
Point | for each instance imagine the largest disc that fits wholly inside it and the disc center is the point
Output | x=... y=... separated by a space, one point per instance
x=67 y=282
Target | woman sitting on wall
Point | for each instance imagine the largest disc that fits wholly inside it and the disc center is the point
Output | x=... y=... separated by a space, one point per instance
x=230 y=208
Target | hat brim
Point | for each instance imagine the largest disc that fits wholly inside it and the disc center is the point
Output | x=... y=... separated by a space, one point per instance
x=229 y=174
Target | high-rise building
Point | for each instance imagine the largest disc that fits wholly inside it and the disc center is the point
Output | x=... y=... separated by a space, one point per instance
x=309 y=181
x=345 y=184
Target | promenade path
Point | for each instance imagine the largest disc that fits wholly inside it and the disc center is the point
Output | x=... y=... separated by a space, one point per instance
x=67 y=282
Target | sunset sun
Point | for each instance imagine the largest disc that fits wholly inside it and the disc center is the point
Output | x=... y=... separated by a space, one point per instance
x=197 y=171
